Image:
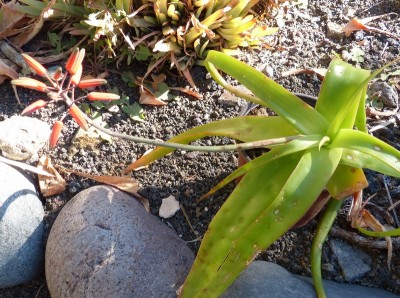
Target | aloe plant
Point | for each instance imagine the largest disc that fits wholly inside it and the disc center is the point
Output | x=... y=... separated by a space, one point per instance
x=325 y=148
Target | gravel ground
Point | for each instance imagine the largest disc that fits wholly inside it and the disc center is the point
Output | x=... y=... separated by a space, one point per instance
x=301 y=43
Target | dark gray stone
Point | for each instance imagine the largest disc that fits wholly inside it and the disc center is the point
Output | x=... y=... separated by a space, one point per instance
x=21 y=229
x=264 y=279
x=104 y=244
x=383 y=92
x=353 y=262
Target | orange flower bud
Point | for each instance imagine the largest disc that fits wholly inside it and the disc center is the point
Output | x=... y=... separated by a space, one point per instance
x=77 y=76
x=102 y=96
x=55 y=133
x=34 y=65
x=75 y=60
x=72 y=58
x=91 y=83
x=58 y=74
x=79 y=117
x=34 y=107
x=30 y=84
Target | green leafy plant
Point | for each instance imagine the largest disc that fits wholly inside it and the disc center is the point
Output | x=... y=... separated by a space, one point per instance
x=178 y=31
x=311 y=150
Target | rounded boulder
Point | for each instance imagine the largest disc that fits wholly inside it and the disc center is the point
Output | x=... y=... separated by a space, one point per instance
x=21 y=229
x=104 y=244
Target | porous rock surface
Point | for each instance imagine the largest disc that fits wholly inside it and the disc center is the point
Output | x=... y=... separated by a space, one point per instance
x=104 y=244
x=21 y=229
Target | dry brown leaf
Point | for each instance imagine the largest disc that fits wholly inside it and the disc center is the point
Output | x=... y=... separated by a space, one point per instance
x=185 y=71
x=371 y=222
x=124 y=183
x=353 y=25
x=319 y=72
x=148 y=98
x=7 y=70
x=10 y=18
x=360 y=24
x=360 y=217
x=50 y=186
x=195 y=94
x=34 y=28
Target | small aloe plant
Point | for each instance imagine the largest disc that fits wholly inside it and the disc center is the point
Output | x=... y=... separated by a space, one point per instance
x=311 y=150
x=56 y=91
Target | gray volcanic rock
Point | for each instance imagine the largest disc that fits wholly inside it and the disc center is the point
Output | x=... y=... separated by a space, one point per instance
x=21 y=229
x=104 y=244
x=265 y=279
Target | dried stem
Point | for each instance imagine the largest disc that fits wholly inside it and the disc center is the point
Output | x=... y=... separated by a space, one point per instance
x=222 y=148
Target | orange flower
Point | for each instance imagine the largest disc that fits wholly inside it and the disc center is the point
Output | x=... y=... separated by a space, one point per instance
x=75 y=60
x=91 y=83
x=58 y=74
x=79 y=117
x=30 y=84
x=34 y=107
x=34 y=65
x=55 y=133
x=77 y=76
x=102 y=96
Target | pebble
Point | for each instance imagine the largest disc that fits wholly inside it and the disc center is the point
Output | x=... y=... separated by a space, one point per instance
x=22 y=137
x=385 y=93
x=104 y=244
x=334 y=31
x=265 y=279
x=353 y=262
x=21 y=229
x=169 y=207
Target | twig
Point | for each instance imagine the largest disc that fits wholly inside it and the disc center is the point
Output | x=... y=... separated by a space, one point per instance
x=383 y=124
x=188 y=221
x=362 y=241
x=37 y=294
x=222 y=148
x=390 y=200
x=393 y=206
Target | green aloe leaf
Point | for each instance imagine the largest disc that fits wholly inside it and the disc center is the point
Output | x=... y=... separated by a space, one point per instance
x=372 y=152
x=300 y=144
x=360 y=160
x=244 y=129
x=332 y=100
x=341 y=120
x=287 y=105
x=255 y=215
